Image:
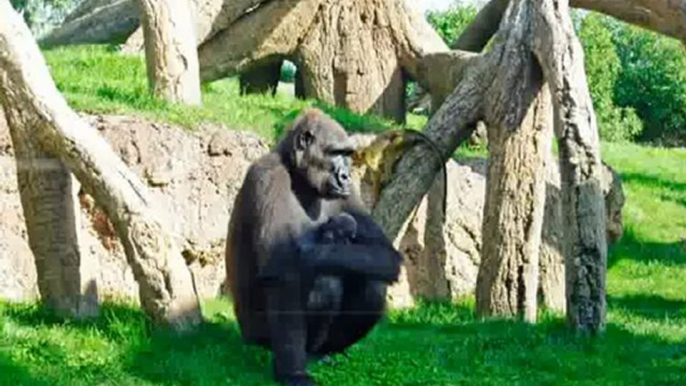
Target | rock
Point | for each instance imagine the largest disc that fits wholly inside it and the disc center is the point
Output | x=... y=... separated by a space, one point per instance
x=443 y=259
x=195 y=189
x=614 y=202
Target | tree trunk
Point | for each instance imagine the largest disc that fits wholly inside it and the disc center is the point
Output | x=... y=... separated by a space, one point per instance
x=170 y=50
x=507 y=284
x=261 y=79
x=519 y=136
x=551 y=289
x=560 y=54
x=166 y=289
x=349 y=58
x=66 y=281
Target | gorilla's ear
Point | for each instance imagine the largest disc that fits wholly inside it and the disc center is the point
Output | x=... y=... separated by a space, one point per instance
x=305 y=139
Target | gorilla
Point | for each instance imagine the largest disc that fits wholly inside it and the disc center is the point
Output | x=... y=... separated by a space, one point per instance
x=307 y=267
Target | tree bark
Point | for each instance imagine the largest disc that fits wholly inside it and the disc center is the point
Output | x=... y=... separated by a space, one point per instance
x=170 y=50
x=551 y=291
x=519 y=135
x=477 y=34
x=494 y=84
x=667 y=17
x=560 y=54
x=508 y=279
x=166 y=289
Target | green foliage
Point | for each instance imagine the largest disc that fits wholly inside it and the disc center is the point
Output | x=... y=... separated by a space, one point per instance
x=98 y=79
x=653 y=81
x=637 y=79
x=40 y=15
x=603 y=69
x=435 y=344
x=450 y=24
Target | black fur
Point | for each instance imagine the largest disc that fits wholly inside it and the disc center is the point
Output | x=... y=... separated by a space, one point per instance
x=273 y=260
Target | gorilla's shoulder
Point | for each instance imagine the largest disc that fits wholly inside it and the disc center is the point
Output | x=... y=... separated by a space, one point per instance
x=268 y=170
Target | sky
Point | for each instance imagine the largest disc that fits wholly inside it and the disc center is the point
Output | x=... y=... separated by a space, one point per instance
x=439 y=5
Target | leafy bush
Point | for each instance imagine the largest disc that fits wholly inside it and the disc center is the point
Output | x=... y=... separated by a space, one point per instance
x=603 y=69
x=653 y=81
x=450 y=23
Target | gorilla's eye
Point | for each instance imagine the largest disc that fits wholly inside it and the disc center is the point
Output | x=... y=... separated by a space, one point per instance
x=305 y=140
x=340 y=152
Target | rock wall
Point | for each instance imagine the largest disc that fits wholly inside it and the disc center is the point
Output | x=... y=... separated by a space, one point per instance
x=196 y=176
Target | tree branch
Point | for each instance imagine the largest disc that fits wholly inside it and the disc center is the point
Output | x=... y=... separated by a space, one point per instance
x=667 y=17
x=417 y=169
x=477 y=34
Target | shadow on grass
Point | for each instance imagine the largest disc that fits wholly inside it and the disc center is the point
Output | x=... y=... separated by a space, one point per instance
x=212 y=354
x=434 y=344
x=629 y=247
x=498 y=351
x=12 y=373
x=669 y=190
x=651 y=307
x=652 y=181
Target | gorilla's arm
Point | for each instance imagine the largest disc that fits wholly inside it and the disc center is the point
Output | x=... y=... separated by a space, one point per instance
x=370 y=254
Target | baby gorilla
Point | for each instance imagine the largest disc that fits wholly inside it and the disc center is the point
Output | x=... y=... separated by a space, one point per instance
x=327 y=290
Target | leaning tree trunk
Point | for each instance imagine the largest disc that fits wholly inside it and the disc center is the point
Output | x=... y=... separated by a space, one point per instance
x=166 y=289
x=66 y=281
x=170 y=50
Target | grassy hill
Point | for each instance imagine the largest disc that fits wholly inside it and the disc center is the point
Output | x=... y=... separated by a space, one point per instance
x=436 y=344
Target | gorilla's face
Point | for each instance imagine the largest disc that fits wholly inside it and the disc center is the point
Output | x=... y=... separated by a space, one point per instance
x=323 y=155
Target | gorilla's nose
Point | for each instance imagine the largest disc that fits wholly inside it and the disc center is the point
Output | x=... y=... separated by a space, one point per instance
x=343 y=176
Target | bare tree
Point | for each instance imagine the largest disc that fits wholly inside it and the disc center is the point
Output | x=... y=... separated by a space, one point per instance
x=39 y=112
x=170 y=50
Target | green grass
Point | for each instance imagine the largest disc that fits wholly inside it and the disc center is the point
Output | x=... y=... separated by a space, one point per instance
x=97 y=79
x=435 y=344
